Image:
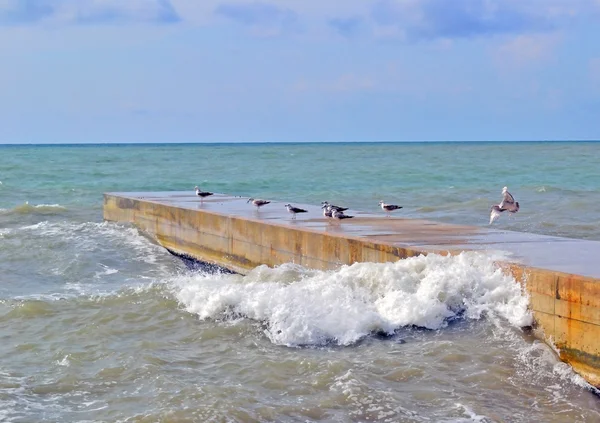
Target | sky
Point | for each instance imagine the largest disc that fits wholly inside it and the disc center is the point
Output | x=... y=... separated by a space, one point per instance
x=96 y=71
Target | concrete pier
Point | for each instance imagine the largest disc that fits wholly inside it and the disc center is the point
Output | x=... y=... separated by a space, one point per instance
x=561 y=275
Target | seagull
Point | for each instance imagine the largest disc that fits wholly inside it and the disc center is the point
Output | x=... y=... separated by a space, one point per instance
x=258 y=203
x=332 y=207
x=508 y=203
x=337 y=214
x=389 y=207
x=326 y=210
x=294 y=210
x=202 y=194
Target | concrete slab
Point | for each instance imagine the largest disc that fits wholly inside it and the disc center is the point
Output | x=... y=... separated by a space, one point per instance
x=566 y=255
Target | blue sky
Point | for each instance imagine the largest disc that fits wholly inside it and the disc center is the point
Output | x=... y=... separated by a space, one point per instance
x=298 y=70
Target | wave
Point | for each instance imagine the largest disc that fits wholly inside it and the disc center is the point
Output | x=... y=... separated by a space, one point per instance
x=45 y=209
x=40 y=305
x=87 y=235
x=83 y=258
x=307 y=307
x=547 y=188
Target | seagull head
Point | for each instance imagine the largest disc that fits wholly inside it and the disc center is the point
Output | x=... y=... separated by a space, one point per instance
x=250 y=199
x=196 y=187
x=381 y=202
x=288 y=205
x=504 y=190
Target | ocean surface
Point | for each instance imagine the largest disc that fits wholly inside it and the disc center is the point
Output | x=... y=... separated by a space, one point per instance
x=100 y=324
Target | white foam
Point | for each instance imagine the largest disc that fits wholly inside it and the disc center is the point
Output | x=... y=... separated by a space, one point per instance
x=541 y=364
x=302 y=306
x=366 y=403
x=64 y=362
x=48 y=206
x=471 y=416
x=105 y=272
x=85 y=236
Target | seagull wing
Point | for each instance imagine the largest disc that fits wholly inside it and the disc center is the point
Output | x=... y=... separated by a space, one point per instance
x=338 y=208
x=508 y=198
x=513 y=208
x=392 y=207
x=495 y=213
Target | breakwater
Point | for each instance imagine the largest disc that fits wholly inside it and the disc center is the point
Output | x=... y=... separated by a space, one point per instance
x=560 y=274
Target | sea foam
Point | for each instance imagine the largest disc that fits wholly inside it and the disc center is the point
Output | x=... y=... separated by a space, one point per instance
x=307 y=307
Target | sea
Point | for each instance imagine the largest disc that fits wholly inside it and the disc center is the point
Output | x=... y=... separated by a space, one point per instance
x=98 y=323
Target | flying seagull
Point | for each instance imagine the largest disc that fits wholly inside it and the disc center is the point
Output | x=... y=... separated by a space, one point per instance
x=202 y=194
x=294 y=210
x=258 y=203
x=508 y=203
x=389 y=207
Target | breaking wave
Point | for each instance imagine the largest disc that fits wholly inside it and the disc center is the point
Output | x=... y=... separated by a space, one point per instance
x=45 y=209
x=87 y=236
x=307 y=307
x=82 y=258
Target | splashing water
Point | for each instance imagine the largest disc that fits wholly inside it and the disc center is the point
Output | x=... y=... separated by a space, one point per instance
x=307 y=307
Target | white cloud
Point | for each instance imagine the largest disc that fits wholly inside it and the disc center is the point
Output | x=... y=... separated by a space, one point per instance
x=526 y=50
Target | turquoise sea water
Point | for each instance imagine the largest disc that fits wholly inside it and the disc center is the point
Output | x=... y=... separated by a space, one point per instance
x=557 y=184
x=100 y=324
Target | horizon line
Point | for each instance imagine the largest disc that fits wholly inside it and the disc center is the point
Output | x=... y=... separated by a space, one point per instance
x=149 y=143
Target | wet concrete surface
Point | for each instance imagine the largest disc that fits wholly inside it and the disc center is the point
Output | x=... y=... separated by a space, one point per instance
x=580 y=257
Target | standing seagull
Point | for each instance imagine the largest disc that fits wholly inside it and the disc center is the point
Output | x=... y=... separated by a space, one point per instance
x=258 y=203
x=389 y=207
x=294 y=210
x=508 y=203
x=337 y=214
x=202 y=194
x=332 y=207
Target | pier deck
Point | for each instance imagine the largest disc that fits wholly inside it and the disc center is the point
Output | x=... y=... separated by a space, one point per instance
x=560 y=274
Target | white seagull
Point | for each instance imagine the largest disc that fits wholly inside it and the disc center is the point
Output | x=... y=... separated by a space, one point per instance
x=508 y=204
x=388 y=207
x=258 y=203
x=294 y=210
x=202 y=194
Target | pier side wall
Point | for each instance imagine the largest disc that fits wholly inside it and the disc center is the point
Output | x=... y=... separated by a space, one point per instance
x=566 y=307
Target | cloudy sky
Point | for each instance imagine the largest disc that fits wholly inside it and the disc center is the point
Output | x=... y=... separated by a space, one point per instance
x=298 y=70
